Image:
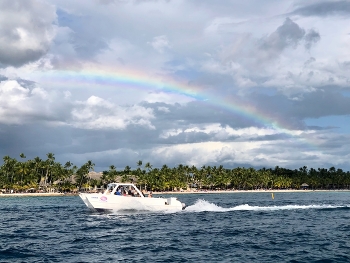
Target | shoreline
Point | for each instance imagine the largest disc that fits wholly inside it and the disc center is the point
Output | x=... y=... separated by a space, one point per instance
x=183 y=192
x=34 y=194
x=248 y=191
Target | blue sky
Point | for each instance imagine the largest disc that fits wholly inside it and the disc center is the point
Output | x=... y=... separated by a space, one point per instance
x=89 y=80
x=341 y=124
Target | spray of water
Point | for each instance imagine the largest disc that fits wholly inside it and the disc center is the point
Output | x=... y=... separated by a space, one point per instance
x=202 y=205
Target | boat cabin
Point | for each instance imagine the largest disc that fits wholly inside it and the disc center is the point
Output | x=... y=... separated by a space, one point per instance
x=123 y=189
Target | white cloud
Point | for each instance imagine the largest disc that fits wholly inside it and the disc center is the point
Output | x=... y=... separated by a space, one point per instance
x=164 y=109
x=96 y=113
x=26 y=29
x=204 y=153
x=20 y=105
x=160 y=43
x=256 y=153
x=168 y=98
x=83 y=65
x=220 y=132
x=67 y=94
x=217 y=24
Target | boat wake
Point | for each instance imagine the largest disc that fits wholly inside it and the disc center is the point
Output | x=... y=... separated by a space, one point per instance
x=205 y=206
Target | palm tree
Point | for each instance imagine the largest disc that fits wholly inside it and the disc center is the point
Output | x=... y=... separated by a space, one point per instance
x=125 y=177
x=68 y=165
x=148 y=166
x=48 y=164
x=111 y=174
x=140 y=179
x=23 y=170
x=81 y=174
x=90 y=165
x=127 y=169
x=9 y=168
x=37 y=164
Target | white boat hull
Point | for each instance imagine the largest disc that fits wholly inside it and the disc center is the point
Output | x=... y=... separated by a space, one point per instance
x=117 y=202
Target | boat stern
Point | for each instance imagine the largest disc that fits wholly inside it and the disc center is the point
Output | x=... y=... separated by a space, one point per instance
x=174 y=203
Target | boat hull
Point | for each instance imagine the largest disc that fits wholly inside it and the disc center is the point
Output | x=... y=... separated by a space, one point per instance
x=102 y=202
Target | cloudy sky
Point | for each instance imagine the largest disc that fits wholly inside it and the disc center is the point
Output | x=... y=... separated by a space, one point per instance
x=241 y=83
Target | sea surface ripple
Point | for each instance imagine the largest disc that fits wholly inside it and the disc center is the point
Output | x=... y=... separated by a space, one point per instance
x=237 y=227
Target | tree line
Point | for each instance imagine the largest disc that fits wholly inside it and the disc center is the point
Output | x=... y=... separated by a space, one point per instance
x=35 y=174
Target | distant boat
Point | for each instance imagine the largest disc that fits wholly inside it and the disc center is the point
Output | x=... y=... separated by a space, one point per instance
x=126 y=196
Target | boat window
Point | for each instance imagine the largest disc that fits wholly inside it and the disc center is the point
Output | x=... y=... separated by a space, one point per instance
x=110 y=187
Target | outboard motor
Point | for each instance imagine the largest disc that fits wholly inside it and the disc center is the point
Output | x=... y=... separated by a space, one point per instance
x=172 y=201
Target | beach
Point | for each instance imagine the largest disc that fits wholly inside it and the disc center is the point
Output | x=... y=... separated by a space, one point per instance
x=31 y=194
x=183 y=192
x=246 y=191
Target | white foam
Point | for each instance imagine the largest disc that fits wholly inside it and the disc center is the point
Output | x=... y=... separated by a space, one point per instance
x=202 y=205
x=282 y=207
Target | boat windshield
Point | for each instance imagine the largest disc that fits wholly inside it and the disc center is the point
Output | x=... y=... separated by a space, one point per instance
x=124 y=190
x=110 y=187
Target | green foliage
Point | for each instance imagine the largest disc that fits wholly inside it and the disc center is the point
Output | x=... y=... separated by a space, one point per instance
x=23 y=174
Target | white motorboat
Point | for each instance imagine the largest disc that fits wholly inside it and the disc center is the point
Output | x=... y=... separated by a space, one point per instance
x=126 y=196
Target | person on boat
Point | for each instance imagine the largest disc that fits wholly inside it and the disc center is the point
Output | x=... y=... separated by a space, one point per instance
x=150 y=194
x=136 y=194
x=133 y=192
x=129 y=192
x=118 y=192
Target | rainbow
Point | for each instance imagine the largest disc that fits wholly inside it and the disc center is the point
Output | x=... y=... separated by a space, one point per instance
x=102 y=76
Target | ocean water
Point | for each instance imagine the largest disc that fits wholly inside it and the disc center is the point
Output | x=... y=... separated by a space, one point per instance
x=237 y=227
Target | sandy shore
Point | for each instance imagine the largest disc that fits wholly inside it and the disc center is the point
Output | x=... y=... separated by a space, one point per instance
x=184 y=192
x=31 y=194
x=248 y=191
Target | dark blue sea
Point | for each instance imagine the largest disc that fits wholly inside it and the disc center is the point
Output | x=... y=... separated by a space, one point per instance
x=236 y=227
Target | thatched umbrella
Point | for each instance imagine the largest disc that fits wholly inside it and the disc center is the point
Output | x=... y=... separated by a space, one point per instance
x=304 y=185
